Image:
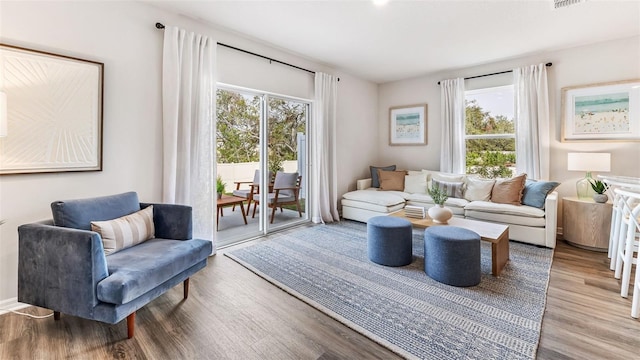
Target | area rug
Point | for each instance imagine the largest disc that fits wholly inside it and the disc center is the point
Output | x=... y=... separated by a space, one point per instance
x=402 y=308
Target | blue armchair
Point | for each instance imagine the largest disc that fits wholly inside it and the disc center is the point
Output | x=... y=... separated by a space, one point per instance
x=62 y=265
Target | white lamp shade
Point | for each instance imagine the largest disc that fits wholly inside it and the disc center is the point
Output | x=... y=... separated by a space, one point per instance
x=600 y=162
x=3 y=114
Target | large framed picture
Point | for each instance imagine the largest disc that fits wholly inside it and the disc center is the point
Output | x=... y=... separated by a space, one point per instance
x=602 y=112
x=408 y=125
x=54 y=112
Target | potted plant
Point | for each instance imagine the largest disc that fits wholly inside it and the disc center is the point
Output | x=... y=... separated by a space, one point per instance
x=600 y=188
x=220 y=186
x=439 y=213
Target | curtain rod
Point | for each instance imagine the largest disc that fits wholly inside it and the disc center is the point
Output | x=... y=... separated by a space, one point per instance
x=161 y=27
x=495 y=73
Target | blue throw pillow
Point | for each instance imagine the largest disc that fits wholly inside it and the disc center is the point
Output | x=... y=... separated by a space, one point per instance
x=535 y=192
x=375 y=180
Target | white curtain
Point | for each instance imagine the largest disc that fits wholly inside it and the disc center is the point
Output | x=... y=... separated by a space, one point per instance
x=532 y=121
x=188 y=110
x=325 y=188
x=452 y=111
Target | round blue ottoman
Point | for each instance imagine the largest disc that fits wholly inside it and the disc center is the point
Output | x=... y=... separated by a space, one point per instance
x=389 y=241
x=452 y=255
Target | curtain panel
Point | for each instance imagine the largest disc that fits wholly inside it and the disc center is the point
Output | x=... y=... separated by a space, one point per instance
x=325 y=179
x=532 y=121
x=188 y=110
x=452 y=111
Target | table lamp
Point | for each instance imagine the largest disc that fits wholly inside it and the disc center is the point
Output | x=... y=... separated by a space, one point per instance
x=600 y=162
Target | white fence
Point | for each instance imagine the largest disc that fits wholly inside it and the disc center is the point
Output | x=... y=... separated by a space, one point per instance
x=245 y=172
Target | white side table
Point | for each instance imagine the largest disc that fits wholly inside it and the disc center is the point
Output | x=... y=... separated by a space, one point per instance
x=586 y=223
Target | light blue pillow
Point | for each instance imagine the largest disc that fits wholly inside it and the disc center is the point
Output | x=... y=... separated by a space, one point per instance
x=375 y=180
x=535 y=192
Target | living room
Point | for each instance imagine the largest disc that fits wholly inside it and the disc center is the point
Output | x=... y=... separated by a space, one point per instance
x=122 y=36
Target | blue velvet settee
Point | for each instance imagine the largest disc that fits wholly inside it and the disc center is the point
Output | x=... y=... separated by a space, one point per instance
x=62 y=263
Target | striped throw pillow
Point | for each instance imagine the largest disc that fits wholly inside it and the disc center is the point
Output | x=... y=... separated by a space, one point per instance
x=127 y=231
x=452 y=189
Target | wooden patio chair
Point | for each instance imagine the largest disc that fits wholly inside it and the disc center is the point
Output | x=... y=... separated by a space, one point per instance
x=286 y=191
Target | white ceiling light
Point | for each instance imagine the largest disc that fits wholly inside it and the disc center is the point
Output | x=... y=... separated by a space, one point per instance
x=380 y=2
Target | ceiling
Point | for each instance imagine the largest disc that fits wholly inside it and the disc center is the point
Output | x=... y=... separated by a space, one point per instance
x=403 y=39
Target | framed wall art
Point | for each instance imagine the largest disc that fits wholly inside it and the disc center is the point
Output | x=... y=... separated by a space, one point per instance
x=408 y=125
x=54 y=112
x=602 y=112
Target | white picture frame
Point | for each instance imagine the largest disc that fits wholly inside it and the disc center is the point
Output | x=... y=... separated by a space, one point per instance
x=408 y=125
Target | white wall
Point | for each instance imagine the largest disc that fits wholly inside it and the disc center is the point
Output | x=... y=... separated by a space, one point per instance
x=596 y=63
x=122 y=35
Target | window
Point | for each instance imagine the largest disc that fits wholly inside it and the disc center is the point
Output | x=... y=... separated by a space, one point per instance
x=490 y=136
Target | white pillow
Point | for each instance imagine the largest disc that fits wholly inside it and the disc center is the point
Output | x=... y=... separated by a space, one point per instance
x=415 y=184
x=126 y=231
x=478 y=189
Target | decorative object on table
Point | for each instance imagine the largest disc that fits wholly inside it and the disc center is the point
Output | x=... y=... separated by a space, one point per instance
x=588 y=162
x=401 y=307
x=600 y=188
x=54 y=112
x=438 y=212
x=220 y=186
x=417 y=212
x=601 y=111
x=408 y=125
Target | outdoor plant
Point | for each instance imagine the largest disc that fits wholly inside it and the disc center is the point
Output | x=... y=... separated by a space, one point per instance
x=599 y=187
x=438 y=195
x=220 y=185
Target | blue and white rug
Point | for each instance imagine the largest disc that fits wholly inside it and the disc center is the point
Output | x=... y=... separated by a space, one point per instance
x=402 y=308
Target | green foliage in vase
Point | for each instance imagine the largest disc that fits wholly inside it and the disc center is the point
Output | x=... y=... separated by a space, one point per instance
x=598 y=186
x=439 y=197
x=220 y=185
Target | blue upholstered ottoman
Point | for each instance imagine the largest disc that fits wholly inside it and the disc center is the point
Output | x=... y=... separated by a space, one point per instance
x=389 y=241
x=452 y=255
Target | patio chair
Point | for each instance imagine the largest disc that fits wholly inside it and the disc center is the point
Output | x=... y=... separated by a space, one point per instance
x=254 y=188
x=286 y=191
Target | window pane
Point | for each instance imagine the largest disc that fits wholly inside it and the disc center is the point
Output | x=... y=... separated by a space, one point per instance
x=491 y=158
x=490 y=111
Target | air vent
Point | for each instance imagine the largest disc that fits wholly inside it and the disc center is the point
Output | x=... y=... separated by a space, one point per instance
x=564 y=3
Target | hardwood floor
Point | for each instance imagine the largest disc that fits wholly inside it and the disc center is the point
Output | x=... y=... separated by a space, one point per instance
x=233 y=314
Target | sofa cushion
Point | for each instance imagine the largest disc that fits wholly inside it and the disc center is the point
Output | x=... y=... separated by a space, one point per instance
x=509 y=191
x=384 y=198
x=126 y=231
x=505 y=218
x=478 y=189
x=141 y=268
x=371 y=207
x=451 y=189
x=392 y=180
x=375 y=181
x=535 y=192
x=416 y=183
x=79 y=214
x=508 y=209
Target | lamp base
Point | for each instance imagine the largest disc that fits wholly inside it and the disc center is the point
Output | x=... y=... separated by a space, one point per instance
x=583 y=187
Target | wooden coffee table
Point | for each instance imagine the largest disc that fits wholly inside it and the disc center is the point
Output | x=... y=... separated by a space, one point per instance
x=227 y=200
x=496 y=234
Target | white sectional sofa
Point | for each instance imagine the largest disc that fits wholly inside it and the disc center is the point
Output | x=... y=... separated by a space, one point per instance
x=527 y=224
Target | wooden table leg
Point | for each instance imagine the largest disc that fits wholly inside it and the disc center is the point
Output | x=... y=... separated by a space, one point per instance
x=217 y=217
x=244 y=216
x=500 y=253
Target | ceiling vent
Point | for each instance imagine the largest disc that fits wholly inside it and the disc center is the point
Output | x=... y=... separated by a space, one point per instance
x=564 y=3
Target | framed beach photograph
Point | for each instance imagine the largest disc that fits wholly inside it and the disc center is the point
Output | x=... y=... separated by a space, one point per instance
x=54 y=112
x=602 y=112
x=408 y=125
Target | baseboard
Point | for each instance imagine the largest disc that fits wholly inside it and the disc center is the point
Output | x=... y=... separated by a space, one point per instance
x=11 y=304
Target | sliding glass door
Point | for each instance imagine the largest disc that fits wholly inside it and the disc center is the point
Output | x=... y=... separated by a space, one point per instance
x=259 y=137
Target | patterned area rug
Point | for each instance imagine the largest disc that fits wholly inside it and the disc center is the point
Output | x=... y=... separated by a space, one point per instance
x=402 y=308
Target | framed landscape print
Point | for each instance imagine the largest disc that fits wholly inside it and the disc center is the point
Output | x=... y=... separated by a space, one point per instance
x=408 y=125
x=54 y=112
x=602 y=112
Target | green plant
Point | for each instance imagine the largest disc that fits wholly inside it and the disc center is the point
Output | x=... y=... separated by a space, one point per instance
x=220 y=185
x=598 y=186
x=438 y=196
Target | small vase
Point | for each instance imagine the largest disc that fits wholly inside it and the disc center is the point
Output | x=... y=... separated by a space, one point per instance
x=600 y=198
x=219 y=196
x=440 y=214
